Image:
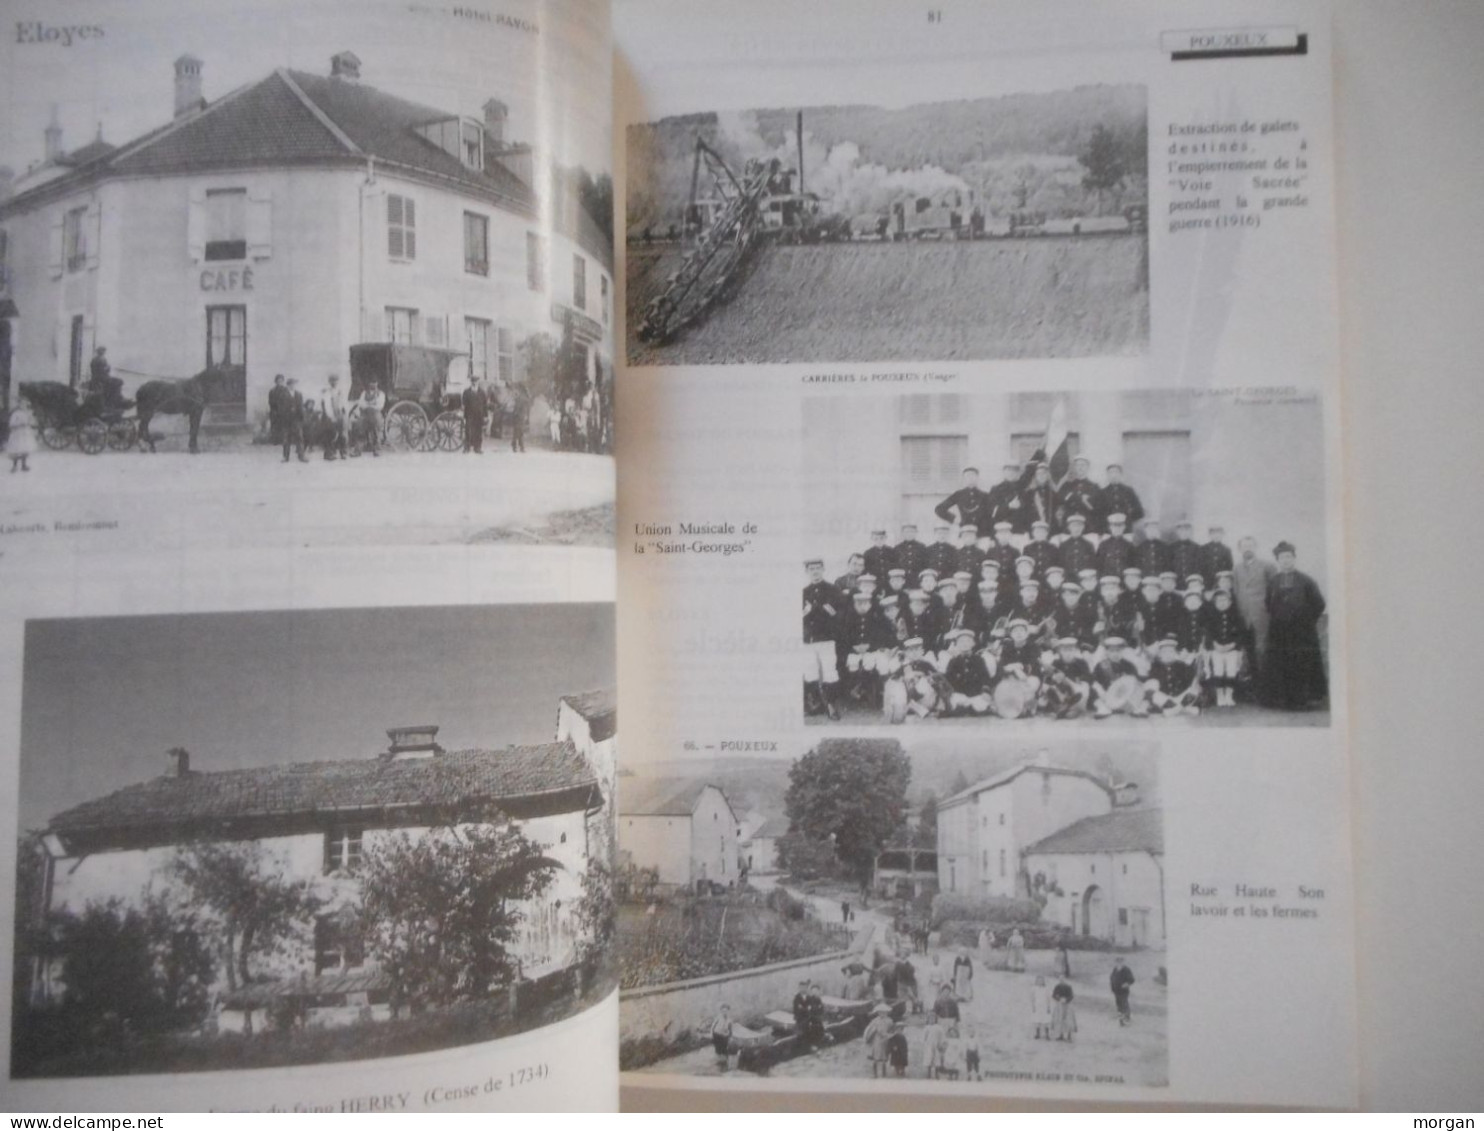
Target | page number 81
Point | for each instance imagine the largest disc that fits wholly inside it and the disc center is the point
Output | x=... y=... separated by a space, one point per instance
x=935 y=15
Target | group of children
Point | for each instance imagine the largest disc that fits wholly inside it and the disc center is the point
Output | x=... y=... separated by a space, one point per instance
x=1016 y=626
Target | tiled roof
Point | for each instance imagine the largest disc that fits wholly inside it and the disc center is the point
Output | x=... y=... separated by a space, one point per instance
x=1123 y=830
x=464 y=778
x=1014 y=772
x=599 y=708
x=660 y=797
x=772 y=828
x=294 y=118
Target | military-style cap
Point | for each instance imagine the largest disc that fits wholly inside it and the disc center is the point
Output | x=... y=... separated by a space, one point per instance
x=1284 y=548
x=1169 y=575
x=963 y=574
x=1183 y=524
x=966 y=470
x=1215 y=528
x=1004 y=526
x=1042 y=523
x=1082 y=459
x=1115 y=467
x=1030 y=583
x=889 y=599
x=990 y=563
x=813 y=562
x=929 y=572
x=865 y=577
x=1011 y=466
x=896 y=571
x=916 y=595
x=1151 y=582
x=1227 y=593
x=1071 y=587
x=940 y=526
x=988 y=586
x=912 y=642
x=1019 y=622
x=958 y=633
x=1192 y=593
x=909 y=526
x=968 y=528
x=1114 y=642
x=1108 y=579
x=1089 y=572
x=1025 y=558
x=881 y=531
x=861 y=595
x=1195 y=579
x=1135 y=570
x=1067 y=642
x=1056 y=569
x=1071 y=518
x=1220 y=573
x=1169 y=642
x=1149 y=522
x=1118 y=516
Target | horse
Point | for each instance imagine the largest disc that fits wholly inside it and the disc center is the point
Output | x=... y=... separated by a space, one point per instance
x=188 y=397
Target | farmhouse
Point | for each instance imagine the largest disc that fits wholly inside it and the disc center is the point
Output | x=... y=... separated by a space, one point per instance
x=1077 y=840
x=1104 y=876
x=683 y=829
x=269 y=230
x=316 y=822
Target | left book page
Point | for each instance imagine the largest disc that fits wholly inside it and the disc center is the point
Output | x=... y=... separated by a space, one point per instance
x=307 y=654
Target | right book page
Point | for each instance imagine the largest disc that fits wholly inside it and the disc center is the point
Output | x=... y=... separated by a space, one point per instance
x=981 y=564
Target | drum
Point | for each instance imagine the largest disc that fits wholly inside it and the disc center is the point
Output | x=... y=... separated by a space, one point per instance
x=1013 y=697
x=894 y=700
x=1124 y=693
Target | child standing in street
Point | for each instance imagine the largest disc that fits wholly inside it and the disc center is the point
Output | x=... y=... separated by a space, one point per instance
x=22 y=440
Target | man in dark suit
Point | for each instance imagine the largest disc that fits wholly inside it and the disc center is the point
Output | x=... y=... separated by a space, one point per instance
x=278 y=407
x=968 y=505
x=476 y=408
x=911 y=555
x=291 y=430
x=1119 y=496
x=1080 y=495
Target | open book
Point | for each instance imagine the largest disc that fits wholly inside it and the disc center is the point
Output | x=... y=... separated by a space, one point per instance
x=969 y=372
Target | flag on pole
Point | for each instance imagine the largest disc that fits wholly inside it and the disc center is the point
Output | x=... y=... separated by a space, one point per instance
x=1056 y=445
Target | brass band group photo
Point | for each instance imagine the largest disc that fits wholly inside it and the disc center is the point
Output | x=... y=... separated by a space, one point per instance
x=1051 y=594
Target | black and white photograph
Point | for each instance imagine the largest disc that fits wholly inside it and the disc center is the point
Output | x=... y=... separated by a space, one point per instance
x=260 y=254
x=1011 y=226
x=267 y=839
x=939 y=911
x=1148 y=555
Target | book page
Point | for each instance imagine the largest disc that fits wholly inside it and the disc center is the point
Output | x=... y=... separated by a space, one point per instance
x=981 y=525
x=307 y=633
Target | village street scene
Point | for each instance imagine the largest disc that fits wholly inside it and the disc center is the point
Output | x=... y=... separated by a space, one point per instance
x=946 y=913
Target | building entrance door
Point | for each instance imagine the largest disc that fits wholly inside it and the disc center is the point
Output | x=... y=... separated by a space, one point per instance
x=226 y=350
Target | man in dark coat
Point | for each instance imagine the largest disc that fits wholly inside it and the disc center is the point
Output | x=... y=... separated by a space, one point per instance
x=1038 y=501
x=911 y=555
x=1293 y=666
x=880 y=557
x=476 y=407
x=1080 y=495
x=969 y=553
x=824 y=606
x=1120 y=981
x=1119 y=496
x=968 y=505
x=1185 y=555
x=942 y=555
x=278 y=409
x=1040 y=549
x=1076 y=552
x=1004 y=497
x=291 y=431
x=1116 y=551
x=1215 y=557
x=1152 y=555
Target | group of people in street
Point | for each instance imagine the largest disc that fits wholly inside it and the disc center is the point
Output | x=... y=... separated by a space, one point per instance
x=328 y=421
x=1060 y=610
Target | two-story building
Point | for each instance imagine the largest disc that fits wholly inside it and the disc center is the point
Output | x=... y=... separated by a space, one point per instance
x=315 y=822
x=685 y=830
x=271 y=229
x=1067 y=836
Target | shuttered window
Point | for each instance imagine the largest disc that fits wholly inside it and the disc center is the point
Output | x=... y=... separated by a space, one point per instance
x=932 y=463
x=401 y=227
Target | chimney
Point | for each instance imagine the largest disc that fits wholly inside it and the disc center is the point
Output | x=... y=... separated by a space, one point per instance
x=495 y=115
x=346 y=65
x=188 y=86
x=412 y=742
x=180 y=762
x=53 y=137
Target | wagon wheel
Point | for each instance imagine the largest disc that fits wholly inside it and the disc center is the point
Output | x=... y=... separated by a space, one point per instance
x=406 y=426
x=56 y=438
x=92 y=436
x=123 y=435
x=448 y=430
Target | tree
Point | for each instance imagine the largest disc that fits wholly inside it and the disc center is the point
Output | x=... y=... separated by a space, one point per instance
x=852 y=793
x=1103 y=159
x=253 y=911
x=597 y=913
x=926 y=834
x=806 y=859
x=147 y=968
x=440 y=910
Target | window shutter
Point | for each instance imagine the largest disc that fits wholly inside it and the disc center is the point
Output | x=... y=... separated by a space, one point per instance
x=93 y=233
x=196 y=226
x=259 y=224
x=55 y=250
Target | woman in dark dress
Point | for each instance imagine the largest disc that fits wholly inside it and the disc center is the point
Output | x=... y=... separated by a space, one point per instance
x=1294 y=662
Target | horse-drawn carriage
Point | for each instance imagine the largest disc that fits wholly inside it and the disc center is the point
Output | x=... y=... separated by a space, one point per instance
x=424 y=387
x=93 y=419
